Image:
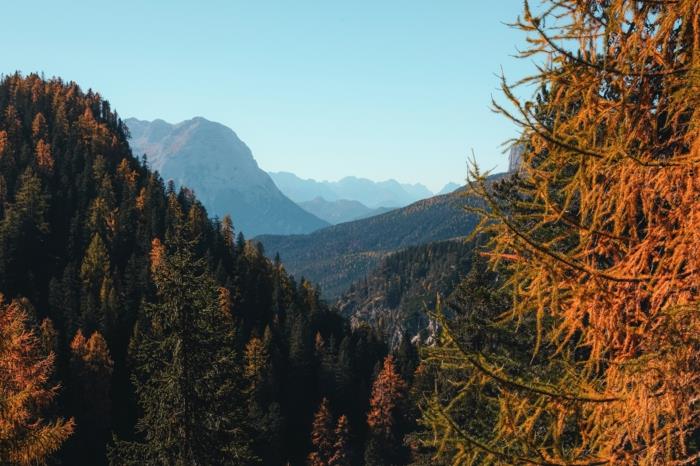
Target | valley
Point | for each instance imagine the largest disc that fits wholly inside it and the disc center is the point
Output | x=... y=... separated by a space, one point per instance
x=321 y=239
x=337 y=256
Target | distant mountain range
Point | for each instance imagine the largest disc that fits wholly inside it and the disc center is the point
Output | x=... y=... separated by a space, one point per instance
x=391 y=248
x=341 y=210
x=209 y=158
x=373 y=194
x=449 y=188
x=337 y=256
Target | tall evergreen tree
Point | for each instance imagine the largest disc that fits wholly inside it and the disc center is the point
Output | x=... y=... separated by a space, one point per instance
x=256 y=366
x=227 y=232
x=91 y=369
x=187 y=381
x=23 y=234
x=94 y=272
x=262 y=409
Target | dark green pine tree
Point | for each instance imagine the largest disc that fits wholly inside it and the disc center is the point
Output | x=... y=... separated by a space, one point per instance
x=23 y=233
x=187 y=381
x=88 y=387
x=406 y=358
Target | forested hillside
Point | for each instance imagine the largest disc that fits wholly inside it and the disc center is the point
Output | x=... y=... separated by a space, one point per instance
x=337 y=256
x=340 y=210
x=139 y=329
x=397 y=295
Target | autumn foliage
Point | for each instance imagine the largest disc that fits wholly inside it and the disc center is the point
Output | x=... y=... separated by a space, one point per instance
x=387 y=402
x=322 y=436
x=25 y=436
x=330 y=441
x=387 y=392
x=599 y=243
x=341 y=447
x=157 y=254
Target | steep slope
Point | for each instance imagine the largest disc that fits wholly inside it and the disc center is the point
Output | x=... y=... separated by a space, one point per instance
x=374 y=212
x=374 y=194
x=337 y=256
x=210 y=159
x=86 y=230
x=340 y=211
x=395 y=295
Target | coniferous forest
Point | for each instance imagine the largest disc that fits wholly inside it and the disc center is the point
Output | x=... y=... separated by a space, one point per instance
x=136 y=329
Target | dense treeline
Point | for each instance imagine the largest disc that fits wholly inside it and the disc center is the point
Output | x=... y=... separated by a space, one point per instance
x=172 y=340
x=395 y=295
x=340 y=255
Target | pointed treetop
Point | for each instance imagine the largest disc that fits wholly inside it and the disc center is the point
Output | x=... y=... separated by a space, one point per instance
x=387 y=392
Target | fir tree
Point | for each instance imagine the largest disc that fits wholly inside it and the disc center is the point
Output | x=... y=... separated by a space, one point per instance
x=94 y=271
x=48 y=336
x=188 y=383
x=23 y=233
x=227 y=232
x=257 y=371
x=91 y=370
x=256 y=364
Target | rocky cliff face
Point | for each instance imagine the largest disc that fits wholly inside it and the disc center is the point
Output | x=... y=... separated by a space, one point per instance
x=515 y=157
x=210 y=159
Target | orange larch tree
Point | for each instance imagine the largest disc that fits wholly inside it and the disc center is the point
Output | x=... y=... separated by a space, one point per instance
x=322 y=436
x=384 y=444
x=25 y=437
x=599 y=244
x=342 y=456
x=387 y=392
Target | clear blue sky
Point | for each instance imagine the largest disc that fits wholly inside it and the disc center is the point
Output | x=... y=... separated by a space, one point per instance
x=375 y=88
